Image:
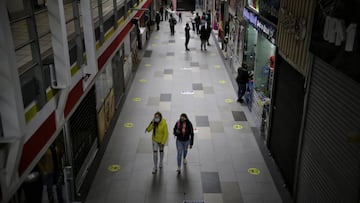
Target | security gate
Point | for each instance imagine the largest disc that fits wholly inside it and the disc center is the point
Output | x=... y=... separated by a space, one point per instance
x=329 y=168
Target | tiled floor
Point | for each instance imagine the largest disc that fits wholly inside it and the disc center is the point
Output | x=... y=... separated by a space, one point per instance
x=225 y=150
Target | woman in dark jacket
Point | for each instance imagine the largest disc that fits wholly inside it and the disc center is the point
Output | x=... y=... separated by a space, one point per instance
x=184 y=133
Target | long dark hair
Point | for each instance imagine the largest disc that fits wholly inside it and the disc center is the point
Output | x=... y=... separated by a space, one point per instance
x=160 y=115
x=184 y=115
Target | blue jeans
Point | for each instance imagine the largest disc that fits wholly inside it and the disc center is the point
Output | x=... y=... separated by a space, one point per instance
x=181 y=147
x=241 y=90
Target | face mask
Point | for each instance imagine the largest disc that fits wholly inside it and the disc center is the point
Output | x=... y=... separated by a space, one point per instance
x=157 y=120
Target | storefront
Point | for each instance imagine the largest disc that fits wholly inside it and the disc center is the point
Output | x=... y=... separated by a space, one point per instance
x=259 y=55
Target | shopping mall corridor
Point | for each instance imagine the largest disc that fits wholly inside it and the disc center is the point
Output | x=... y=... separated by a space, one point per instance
x=225 y=163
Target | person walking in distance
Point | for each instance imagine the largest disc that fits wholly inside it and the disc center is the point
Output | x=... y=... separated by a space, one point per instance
x=180 y=17
x=160 y=133
x=162 y=13
x=242 y=79
x=166 y=14
x=203 y=37
x=172 y=22
x=157 y=19
x=187 y=36
x=208 y=31
x=184 y=133
x=197 y=23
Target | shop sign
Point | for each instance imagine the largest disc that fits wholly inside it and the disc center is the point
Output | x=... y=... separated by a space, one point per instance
x=250 y=16
x=267 y=29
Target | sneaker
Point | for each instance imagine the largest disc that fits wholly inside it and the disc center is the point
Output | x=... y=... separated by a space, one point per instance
x=185 y=161
x=178 y=170
x=160 y=165
x=154 y=170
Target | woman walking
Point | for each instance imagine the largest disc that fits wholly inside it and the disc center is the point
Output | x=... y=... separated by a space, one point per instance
x=184 y=133
x=159 y=137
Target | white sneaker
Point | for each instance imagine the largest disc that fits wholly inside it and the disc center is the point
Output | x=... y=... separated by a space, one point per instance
x=154 y=170
x=178 y=170
x=185 y=161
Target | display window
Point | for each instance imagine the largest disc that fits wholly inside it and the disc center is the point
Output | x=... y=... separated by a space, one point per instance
x=264 y=65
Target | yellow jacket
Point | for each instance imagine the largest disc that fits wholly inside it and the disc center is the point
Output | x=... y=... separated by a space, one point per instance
x=160 y=133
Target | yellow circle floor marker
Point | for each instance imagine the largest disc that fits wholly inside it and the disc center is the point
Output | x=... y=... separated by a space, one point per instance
x=154 y=45
x=147 y=65
x=128 y=125
x=229 y=101
x=237 y=127
x=114 y=168
x=136 y=99
x=222 y=81
x=142 y=81
x=254 y=171
x=217 y=66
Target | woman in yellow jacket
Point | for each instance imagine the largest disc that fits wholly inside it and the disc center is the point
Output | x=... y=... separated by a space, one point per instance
x=160 y=133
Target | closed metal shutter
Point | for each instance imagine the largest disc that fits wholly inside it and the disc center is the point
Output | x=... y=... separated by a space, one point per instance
x=83 y=132
x=329 y=168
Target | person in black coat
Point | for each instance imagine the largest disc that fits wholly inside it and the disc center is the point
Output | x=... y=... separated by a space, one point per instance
x=187 y=36
x=157 y=19
x=162 y=13
x=208 y=31
x=242 y=79
x=203 y=37
x=172 y=23
x=184 y=133
x=197 y=23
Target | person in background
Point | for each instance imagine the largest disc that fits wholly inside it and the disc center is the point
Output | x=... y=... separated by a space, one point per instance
x=162 y=13
x=192 y=18
x=172 y=22
x=208 y=31
x=242 y=79
x=166 y=14
x=50 y=167
x=184 y=133
x=160 y=133
x=203 y=37
x=197 y=22
x=187 y=36
x=180 y=17
x=157 y=19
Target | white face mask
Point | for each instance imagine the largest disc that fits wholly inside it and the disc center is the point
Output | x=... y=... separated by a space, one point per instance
x=156 y=120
